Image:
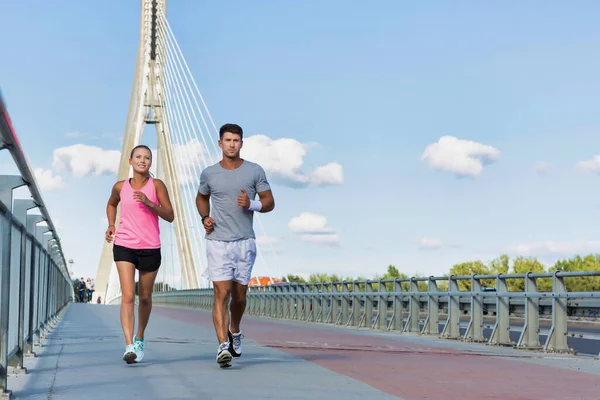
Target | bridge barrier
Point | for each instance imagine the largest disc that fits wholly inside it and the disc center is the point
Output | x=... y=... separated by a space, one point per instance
x=399 y=305
x=34 y=281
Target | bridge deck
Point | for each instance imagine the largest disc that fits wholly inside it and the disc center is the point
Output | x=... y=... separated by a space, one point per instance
x=81 y=358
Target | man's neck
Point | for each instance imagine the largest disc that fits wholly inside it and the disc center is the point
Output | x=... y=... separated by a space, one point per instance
x=231 y=163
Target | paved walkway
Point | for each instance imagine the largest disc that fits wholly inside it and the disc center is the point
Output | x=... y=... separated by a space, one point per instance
x=81 y=359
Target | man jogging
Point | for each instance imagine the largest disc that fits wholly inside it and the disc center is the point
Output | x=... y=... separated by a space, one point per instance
x=232 y=184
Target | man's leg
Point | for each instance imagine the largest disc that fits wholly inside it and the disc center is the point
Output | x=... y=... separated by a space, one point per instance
x=221 y=321
x=246 y=255
x=220 y=272
x=238 y=305
x=220 y=313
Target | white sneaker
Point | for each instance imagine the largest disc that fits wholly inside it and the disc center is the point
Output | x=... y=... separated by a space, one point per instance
x=129 y=356
x=235 y=343
x=138 y=346
x=223 y=355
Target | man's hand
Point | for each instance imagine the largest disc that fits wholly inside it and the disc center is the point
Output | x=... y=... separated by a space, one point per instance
x=208 y=224
x=243 y=200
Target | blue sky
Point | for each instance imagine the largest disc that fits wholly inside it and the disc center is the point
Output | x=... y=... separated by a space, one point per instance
x=371 y=86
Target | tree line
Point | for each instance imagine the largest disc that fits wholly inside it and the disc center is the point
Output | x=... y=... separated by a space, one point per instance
x=500 y=265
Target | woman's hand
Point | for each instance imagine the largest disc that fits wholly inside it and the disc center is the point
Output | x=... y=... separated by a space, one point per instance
x=110 y=233
x=142 y=198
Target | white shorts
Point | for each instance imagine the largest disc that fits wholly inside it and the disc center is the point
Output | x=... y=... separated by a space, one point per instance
x=230 y=261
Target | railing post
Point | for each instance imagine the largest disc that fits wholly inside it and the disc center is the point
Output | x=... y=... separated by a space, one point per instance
x=335 y=305
x=325 y=304
x=474 y=331
x=293 y=301
x=255 y=304
x=20 y=208
x=7 y=184
x=432 y=323
x=397 y=321
x=315 y=306
x=355 y=318
x=38 y=266
x=367 y=316
x=452 y=327
x=414 y=308
x=501 y=332
x=345 y=303
x=382 y=306
x=278 y=301
x=272 y=301
x=556 y=341
x=530 y=338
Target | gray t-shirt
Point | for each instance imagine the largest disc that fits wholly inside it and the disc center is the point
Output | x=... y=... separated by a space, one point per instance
x=232 y=222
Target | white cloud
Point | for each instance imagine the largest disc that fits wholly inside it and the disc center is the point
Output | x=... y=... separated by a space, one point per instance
x=592 y=165
x=556 y=248
x=314 y=229
x=458 y=156
x=187 y=157
x=47 y=180
x=431 y=243
x=542 y=168
x=330 y=174
x=266 y=240
x=308 y=222
x=329 y=239
x=283 y=158
x=427 y=243
x=82 y=160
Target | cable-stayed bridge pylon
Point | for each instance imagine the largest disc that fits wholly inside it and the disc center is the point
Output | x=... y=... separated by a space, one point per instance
x=165 y=94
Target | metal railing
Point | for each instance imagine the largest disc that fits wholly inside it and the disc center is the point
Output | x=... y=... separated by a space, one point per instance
x=482 y=314
x=34 y=282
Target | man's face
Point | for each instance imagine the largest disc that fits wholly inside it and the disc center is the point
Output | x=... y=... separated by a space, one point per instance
x=230 y=144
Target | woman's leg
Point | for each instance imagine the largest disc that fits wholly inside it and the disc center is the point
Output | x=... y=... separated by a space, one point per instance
x=145 y=287
x=127 y=278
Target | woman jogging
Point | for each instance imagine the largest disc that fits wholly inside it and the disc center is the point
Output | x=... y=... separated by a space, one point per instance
x=137 y=243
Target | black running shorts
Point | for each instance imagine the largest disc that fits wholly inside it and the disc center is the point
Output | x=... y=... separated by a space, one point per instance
x=144 y=260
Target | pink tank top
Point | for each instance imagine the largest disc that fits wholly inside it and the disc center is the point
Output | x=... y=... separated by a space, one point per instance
x=138 y=226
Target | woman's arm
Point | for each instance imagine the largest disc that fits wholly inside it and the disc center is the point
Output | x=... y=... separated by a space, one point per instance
x=111 y=210
x=164 y=209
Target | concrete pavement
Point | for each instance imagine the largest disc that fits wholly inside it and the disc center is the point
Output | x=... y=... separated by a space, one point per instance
x=287 y=360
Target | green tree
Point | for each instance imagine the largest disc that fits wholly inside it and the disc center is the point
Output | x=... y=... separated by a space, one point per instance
x=522 y=265
x=591 y=262
x=391 y=274
x=293 y=278
x=161 y=287
x=500 y=265
x=470 y=268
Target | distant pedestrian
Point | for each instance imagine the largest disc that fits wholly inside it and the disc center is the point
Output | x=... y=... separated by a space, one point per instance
x=81 y=290
x=232 y=185
x=137 y=243
x=89 y=285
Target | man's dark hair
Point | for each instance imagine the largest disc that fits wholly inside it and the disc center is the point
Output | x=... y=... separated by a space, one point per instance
x=233 y=128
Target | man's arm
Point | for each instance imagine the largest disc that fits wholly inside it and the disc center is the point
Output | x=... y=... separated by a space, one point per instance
x=263 y=189
x=203 y=204
x=267 y=201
